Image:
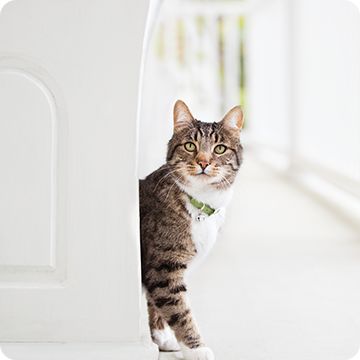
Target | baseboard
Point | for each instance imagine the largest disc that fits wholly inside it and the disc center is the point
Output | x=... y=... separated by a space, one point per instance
x=75 y=351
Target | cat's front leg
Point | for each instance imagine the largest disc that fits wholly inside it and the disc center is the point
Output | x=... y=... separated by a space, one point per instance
x=161 y=333
x=170 y=301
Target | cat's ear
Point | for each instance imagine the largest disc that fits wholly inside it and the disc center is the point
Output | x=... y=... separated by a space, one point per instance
x=234 y=119
x=182 y=116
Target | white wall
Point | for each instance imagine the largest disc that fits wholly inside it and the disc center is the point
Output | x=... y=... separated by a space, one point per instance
x=327 y=84
x=304 y=82
x=70 y=250
x=267 y=74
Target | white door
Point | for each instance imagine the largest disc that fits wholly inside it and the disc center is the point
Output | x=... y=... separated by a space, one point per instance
x=69 y=252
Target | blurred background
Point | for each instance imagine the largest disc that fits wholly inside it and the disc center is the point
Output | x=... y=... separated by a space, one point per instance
x=283 y=281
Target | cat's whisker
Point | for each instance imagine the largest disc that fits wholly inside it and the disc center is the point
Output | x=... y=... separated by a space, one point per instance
x=171 y=187
x=223 y=180
x=227 y=181
x=164 y=177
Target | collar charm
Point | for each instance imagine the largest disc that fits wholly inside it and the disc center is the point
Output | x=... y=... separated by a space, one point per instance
x=205 y=209
x=200 y=217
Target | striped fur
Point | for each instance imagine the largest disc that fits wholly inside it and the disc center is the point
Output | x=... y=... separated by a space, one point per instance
x=167 y=246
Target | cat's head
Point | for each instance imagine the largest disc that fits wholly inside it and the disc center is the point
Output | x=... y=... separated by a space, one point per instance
x=205 y=154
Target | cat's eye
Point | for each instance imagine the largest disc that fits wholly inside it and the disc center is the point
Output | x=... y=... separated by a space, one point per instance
x=220 y=149
x=189 y=146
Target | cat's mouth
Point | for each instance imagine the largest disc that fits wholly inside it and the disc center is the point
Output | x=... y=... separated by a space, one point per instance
x=202 y=174
x=206 y=171
x=198 y=173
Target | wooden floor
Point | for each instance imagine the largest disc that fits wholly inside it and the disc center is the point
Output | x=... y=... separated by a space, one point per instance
x=283 y=282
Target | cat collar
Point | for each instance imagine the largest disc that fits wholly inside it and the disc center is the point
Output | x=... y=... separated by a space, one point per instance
x=205 y=208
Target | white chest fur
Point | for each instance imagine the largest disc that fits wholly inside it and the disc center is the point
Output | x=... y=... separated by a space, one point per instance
x=204 y=233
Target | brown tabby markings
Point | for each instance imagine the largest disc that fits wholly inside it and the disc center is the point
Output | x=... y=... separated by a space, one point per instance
x=166 y=240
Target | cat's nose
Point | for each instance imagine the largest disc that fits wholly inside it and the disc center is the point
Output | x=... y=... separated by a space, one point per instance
x=203 y=164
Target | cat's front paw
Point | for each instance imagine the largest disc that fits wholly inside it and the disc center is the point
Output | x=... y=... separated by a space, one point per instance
x=165 y=340
x=200 y=353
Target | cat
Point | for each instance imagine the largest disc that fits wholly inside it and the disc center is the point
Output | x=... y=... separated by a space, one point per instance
x=182 y=205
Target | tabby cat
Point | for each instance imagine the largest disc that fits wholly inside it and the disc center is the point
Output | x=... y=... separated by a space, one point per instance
x=182 y=205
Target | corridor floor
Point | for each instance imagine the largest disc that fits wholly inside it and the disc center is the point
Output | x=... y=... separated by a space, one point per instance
x=283 y=281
